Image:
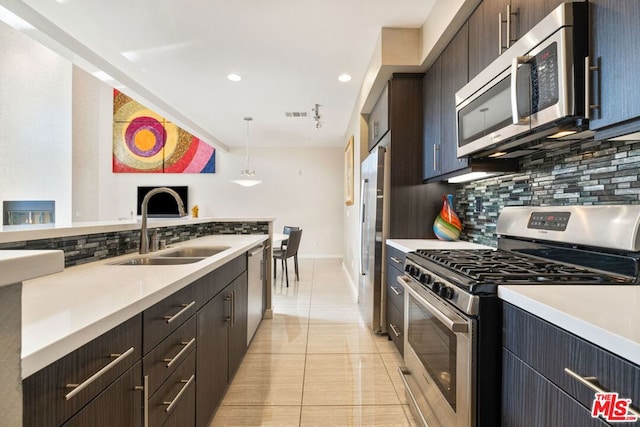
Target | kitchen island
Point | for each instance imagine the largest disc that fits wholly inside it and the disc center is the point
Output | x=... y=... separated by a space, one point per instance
x=63 y=311
x=131 y=333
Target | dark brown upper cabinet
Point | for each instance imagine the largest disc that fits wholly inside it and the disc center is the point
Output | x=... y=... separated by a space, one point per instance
x=614 y=49
x=496 y=24
x=441 y=82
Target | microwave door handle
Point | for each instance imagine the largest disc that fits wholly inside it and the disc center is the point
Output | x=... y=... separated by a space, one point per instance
x=515 y=114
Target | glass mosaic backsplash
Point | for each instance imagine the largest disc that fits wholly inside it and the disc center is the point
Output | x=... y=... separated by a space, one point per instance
x=587 y=173
x=93 y=247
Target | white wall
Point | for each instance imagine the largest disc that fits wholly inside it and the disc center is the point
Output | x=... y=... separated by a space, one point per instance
x=302 y=187
x=35 y=123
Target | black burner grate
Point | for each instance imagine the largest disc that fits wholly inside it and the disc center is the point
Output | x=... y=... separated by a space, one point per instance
x=508 y=268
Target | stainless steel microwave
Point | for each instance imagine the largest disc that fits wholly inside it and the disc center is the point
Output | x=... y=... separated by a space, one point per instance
x=536 y=90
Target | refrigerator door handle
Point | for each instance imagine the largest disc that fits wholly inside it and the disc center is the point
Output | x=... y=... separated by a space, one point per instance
x=363 y=208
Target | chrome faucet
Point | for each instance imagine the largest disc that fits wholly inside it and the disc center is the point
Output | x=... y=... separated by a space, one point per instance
x=144 y=238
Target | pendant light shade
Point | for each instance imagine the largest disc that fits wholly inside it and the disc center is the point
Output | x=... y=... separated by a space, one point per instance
x=247 y=175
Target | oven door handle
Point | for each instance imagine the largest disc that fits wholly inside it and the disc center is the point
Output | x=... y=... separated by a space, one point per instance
x=454 y=325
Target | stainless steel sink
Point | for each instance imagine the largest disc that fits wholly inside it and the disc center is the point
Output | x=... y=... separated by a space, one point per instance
x=194 y=251
x=159 y=261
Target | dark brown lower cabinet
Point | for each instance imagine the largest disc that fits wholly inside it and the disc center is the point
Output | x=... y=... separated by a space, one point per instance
x=212 y=363
x=238 y=327
x=120 y=404
x=530 y=400
x=175 y=399
x=193 y=344
x=222 y=343
x=537 y=388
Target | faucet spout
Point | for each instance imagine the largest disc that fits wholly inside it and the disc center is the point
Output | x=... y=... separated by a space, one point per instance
x=144 y=238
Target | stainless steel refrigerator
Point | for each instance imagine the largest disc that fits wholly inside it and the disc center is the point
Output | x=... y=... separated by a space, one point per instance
x=374 y=212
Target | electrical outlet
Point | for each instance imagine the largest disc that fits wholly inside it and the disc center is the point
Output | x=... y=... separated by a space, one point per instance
x=479 y=206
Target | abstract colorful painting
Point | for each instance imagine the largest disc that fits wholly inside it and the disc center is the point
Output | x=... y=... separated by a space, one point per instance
x=145 y=142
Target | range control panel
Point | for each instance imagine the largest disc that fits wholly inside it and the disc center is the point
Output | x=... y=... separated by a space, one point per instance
x=556 y=221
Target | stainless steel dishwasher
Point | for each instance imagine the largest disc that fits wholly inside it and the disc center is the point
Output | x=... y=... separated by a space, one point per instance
x=255 y=271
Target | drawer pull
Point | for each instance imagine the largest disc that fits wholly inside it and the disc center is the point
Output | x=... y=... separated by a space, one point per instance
x=77 y=388
x=187 y=346
x=396 y=260
x=185 y=307
x=395 y=291
x=588 y=381
x=184 y=388
x=145 y=391
x=395 y=331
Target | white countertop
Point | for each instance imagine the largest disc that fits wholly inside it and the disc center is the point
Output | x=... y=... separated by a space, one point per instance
x=63 y=311
x=608 y=316
x=19 y=265
x=408 y=245
x=17 y=233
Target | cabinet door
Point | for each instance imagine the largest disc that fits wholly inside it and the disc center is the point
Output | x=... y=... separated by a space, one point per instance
x=120 y=404
x=483 y=34
x=47 y=401
x=432 y=113
x=455 y=74
x=614 y=44
x=163 y=360
x=238 y=329
x=395 y=327
x=530 y=400
x=529 y=13
x=175 y=399
x=212 y=363
x=167 y=315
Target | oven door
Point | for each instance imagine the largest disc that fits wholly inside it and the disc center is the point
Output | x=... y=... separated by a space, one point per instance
x=439 y=349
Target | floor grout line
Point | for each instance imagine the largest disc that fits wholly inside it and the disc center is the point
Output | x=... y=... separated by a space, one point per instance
x=297 y=303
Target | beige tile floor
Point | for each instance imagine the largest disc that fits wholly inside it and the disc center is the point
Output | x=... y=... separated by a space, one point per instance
x=315 y=363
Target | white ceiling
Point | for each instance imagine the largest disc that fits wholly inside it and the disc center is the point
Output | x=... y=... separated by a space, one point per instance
x=288 y=52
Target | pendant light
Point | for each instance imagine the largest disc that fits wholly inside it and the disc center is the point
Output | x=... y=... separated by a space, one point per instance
x=247 y=175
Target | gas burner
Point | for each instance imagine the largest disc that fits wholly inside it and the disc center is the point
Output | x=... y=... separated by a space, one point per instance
x=501 y=267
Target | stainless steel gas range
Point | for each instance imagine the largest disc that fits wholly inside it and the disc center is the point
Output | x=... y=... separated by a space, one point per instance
x=453 y=316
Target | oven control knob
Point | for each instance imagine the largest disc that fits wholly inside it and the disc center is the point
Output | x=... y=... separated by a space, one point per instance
x=407 y=268
x=424 y=278
x=445 y=292
x=436 y=287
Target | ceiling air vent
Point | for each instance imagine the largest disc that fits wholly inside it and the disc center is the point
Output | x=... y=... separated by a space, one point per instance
x=296 y=114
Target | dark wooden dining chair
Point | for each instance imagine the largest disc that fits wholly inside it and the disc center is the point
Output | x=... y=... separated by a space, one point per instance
x=289 y=251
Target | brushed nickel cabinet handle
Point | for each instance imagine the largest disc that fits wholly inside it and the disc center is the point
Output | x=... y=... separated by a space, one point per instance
x=395 y=331
x=395 y=291
x=77 y=388
x=508 y=25
x=187 y=345
x=145 y=405
x=185 y=307
x=589 y=382
x=174 y=402
x=396 y=260
x=588 y=106
x=500 y=21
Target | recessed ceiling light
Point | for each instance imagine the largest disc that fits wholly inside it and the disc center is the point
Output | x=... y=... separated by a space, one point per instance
x=344 y=78
x=234 y=77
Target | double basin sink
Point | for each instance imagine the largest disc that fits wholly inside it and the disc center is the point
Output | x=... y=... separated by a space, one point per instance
x=184 y=255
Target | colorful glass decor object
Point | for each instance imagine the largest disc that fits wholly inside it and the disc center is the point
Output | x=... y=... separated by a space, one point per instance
x=145 y=142
x=447 y=225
